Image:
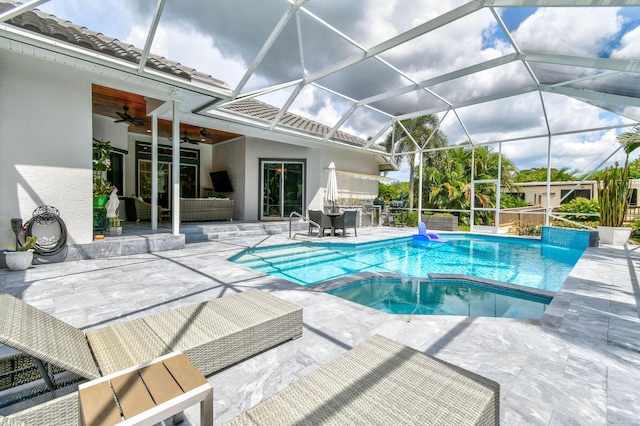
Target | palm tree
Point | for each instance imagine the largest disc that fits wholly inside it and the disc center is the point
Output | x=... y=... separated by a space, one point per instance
x=424 y=131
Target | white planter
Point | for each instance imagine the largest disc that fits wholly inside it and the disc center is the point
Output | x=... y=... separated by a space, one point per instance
x=115 y=231
x=18 y=260
x=616 y=236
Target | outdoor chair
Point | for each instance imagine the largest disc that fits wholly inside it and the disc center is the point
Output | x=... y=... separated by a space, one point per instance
x=321 y=219
x=348 y=219
x=212 y=334
x=143 y=210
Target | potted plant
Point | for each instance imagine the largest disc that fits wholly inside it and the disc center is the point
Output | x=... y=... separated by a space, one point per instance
x=614 y=190
x=101 y=164
x=20 y=258
x=115 y=228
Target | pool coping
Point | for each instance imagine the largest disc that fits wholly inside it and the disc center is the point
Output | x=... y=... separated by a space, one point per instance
x=361 y=276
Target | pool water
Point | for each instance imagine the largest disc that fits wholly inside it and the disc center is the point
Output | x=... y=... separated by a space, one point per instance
x=512 y=260
x=446 y=297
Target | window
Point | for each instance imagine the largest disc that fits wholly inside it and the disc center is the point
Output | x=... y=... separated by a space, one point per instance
x=282 y=184
x=584 y=193
x=189 y=173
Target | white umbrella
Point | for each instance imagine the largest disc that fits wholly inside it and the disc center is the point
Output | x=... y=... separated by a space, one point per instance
x=332 y=186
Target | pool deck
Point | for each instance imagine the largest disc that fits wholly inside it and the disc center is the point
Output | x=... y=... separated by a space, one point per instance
x=579 y=365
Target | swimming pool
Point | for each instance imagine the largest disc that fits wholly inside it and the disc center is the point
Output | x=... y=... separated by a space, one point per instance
x=443 y=297
x=512 y=260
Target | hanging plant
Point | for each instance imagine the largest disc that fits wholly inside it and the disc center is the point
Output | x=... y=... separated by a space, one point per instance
x=101 y=163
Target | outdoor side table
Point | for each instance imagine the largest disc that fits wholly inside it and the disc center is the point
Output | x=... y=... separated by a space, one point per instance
x=146 y=394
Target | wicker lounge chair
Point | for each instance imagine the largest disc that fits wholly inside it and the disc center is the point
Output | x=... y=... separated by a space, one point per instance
x=381 y=382
x=213 y=334
x=377 y=382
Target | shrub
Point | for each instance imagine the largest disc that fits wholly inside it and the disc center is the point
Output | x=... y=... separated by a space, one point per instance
x=521 y=227
x=635 y=227
x=580 y=205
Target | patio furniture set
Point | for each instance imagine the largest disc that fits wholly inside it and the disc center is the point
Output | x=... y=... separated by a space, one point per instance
x=332 y=222
x=154 y=367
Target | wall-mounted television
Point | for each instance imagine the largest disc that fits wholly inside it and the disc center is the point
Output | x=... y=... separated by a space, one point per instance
x=220 y=181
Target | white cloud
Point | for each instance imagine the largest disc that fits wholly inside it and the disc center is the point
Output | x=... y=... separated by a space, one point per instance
x=192 y=49
x=575 y=30
x=629 y=45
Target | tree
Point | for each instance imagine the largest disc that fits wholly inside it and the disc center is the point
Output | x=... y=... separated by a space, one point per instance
x=448 y=186
x=422 y=130
x=539 y=174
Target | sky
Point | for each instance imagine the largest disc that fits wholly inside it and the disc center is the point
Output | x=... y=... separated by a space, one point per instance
x=222 y=38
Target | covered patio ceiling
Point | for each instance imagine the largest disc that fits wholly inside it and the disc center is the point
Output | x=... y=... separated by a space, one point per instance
x=523 y=71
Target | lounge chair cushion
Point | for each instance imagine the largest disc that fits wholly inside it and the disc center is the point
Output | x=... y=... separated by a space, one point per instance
x=223 y=331
x=382 y=382
x=45 y=337
x=125 y=344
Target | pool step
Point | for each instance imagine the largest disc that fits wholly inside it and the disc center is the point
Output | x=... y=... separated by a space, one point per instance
x=207 y=232
x=301 y=259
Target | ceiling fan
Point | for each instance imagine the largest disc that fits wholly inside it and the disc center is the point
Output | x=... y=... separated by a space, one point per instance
x=128 y=118
x=186 y=139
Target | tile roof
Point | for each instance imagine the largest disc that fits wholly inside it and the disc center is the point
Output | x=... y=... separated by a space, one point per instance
x=256 y=109
x=68 y=32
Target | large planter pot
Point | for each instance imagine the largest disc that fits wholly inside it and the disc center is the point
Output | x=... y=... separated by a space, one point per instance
x=441 y=223
x=616 y=236
x=100 y=202
x=18 y=260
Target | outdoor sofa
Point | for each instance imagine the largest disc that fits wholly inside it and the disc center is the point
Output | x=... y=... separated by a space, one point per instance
x=205 y=209
x=212 y=334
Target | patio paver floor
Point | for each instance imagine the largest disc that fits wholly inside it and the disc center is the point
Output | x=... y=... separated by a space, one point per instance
x=581 y=366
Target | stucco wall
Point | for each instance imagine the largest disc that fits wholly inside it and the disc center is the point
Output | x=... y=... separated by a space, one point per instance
x=241 y=158
x=45 y=144
x=230 y=156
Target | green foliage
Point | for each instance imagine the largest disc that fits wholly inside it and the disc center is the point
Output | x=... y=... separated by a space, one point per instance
x=101 y=163
x=539 y=174
x=408 y=218
x=614 y=186
x=524 y=228
x=613 y=193
x=415 y=134
x=388 y=192
x=101 y=155
x=580 y=205
x=510 y=201
x=635 y=228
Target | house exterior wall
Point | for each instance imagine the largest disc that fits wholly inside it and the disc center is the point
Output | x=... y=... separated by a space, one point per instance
x=45 y=144
x=535 y=193
x=241 y=158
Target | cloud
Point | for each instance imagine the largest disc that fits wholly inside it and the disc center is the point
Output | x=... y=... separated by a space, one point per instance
x=223 y=38
x=576 y=31
x=629 y=45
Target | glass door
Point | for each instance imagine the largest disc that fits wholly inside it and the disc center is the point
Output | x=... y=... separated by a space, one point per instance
x=282 y=188
x=164 y=182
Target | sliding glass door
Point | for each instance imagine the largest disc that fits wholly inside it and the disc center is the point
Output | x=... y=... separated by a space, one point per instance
x=282 y=186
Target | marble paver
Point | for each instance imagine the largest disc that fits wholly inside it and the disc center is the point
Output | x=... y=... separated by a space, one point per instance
x=579 y=365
